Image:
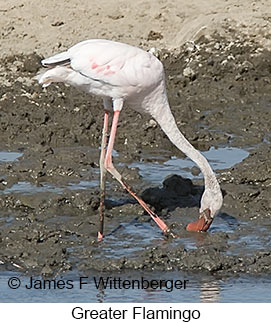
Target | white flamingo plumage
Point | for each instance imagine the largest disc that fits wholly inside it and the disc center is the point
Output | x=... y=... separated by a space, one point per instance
x=122 y=73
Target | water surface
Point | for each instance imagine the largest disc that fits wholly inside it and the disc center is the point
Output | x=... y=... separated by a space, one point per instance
x=199 y=288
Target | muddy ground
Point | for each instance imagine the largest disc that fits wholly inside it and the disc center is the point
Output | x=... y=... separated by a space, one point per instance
x=219 y=91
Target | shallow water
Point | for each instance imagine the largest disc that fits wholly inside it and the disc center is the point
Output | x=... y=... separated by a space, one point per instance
x=199 y=288
x=154 y=172
x=219 y=158
x=130 y=238
x=28 y=188
x=9 y=156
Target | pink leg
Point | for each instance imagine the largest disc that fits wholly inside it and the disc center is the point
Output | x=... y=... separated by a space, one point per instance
x=103 y=174
x=110 y=167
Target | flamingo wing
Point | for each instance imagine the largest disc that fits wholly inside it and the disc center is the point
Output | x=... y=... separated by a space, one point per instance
x=110 y=62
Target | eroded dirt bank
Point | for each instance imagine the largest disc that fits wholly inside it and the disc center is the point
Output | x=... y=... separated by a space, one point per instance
x=219 y=91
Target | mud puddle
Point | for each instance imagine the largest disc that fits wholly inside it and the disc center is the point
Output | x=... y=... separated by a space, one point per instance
x=153 y=172
x=219 y=158
x=28 y=188
x=9 y=156
x=131 y=237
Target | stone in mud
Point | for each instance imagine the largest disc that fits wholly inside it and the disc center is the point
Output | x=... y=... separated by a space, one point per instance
x=31 y=63
x=176 y=191
x=177 y=185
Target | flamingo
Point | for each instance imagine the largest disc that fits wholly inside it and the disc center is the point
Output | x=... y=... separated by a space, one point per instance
x=121 y=73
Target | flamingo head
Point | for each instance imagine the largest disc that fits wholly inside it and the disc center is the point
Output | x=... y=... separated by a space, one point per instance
x=211 y=203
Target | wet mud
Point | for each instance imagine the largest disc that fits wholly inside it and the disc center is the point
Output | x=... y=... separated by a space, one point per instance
x=219 y=91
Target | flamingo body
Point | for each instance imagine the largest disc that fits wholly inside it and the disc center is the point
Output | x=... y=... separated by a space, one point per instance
x=106 y=68
x=122 y=73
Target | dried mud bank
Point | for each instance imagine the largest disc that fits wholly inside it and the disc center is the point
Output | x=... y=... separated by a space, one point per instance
x=219 y=91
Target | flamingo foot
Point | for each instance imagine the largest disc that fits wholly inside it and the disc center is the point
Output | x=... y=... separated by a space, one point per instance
x=202 y=224
x=100 y=236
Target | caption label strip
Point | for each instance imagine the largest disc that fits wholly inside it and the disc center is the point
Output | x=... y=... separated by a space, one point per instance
x=136 y=313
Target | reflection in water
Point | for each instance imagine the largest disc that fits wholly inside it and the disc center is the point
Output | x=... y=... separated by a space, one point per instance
x=100 y=295
x=210 y=292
